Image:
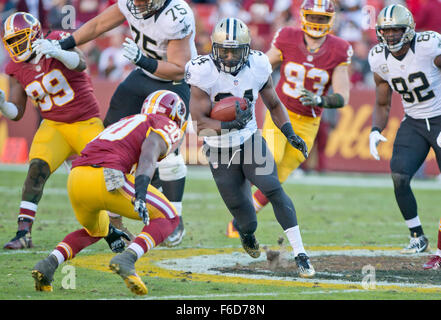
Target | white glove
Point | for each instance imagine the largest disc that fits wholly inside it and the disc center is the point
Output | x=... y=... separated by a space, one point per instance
x=131 y=51
x=374 y=139
x=50 y=48
x=2 y=98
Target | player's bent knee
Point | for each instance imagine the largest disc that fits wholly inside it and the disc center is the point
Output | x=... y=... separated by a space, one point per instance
x=172 y=168
x=38 y=173
x=400 y=180
x=247 y=227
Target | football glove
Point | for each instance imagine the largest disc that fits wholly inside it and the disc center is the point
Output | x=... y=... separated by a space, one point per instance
x=375 y=137
x=308 y=98
x=242 y=117
x=115 y=239
x=49 y=48
x=299 y=144
x=143 y=213
x=131 y=51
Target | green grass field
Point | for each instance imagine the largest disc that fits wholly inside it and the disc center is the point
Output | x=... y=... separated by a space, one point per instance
x=349 y=211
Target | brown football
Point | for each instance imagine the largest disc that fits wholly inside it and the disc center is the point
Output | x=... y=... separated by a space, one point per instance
x=225 y=109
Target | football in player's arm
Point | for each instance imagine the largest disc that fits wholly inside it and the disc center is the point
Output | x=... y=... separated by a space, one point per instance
x=408 y=63
x=163 y=33
x=236 y=151
x=53 y=79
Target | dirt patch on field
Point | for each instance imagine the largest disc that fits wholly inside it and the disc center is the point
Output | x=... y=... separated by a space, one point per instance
x=396 y=269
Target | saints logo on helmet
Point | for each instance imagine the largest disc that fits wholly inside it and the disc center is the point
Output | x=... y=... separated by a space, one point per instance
x=20 y=30
x=144 y=9
x=323 y=8
x=167 y=103
x=395 y=16
x=230 y=44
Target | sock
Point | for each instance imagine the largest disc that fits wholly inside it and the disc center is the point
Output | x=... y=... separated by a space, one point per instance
x=295 y=239
x=73 y=243
x=27 y=210
x=259 y=200
x=415 y=227
x=153 y=234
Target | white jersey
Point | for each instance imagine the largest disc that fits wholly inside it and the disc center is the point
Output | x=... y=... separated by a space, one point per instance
x=173 y=22
x=202 y=73
x=416 y=77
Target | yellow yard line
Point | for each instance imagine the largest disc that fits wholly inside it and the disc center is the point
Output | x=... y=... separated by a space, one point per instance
x=146 y=266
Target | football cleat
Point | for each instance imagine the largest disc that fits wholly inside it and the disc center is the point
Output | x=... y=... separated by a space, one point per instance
x=434 y=263
x=306 y=270
x=416 y=245
x=175 y=238
x=249 y=243
x=43 y=273
x=123 y=264
x=231 y=230
x=22 y=240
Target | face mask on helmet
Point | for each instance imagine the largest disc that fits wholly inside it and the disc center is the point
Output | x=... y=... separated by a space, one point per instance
x=166 y=103
x=20 y=30
x=230 y=45
x=395 y=27
x=317 y=17
x=144 y=9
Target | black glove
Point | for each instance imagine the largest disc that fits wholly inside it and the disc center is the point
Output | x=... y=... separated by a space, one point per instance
x=294 y=139
x=115 y=239
x=242 y=118
x=299 y=144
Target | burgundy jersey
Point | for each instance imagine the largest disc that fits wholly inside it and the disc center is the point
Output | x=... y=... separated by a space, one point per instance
x=119 y=145
x=62 y=95
x=301 y=68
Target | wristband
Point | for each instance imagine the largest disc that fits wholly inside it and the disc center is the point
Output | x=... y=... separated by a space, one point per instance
x=376 y=129
x=287 y=130
x=148 y=64
x=332 y=101
x=141 y=184
x=67 y=43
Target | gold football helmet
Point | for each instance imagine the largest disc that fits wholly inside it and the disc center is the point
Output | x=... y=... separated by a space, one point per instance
x=395 y=16
x=230 y=44
x=146 y=9
x=323 y=8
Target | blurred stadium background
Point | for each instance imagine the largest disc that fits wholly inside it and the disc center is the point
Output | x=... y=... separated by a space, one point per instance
x=342 y=143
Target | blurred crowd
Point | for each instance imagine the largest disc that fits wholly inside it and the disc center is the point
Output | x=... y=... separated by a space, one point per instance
x=355 y=22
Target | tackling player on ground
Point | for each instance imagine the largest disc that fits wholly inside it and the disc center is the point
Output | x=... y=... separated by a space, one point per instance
x=236 y=151
x=55 y=82
x=408 y=63
x=163 y=33
x=311 y=61
x=100 y=180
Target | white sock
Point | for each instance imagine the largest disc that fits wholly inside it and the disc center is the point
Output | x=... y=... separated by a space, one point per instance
x=438 y=252
x=412 y=223
x=58 y=255
x=137 y=248
x=178 y=206
x=295 y=239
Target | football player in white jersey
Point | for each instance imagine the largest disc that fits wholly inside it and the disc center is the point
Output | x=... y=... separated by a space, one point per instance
x=163 y=33
x=410 y=64
x=236 y=152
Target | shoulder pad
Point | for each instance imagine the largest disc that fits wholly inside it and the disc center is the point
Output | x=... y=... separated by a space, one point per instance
x=177 y=23
x=201 y=72
x=428 y=43
x=260 y=65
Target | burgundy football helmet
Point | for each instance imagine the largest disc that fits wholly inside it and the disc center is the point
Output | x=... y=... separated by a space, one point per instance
x=167 y=103
x=20 y=30
x=317 y=7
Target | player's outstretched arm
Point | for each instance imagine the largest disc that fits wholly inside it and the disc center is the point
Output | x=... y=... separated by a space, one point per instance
x=152 y=148
x=16 y=106
x=92 y=29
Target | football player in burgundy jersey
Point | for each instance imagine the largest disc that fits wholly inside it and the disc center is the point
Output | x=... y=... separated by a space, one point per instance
x=100 y=180
x=55 y=82
x=311 y=60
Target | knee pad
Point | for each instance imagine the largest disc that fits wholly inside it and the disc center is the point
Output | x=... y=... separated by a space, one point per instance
x=172 y=168
x=400 y=180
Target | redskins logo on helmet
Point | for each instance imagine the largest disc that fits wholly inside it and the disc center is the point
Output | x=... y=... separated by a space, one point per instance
x=20 y=30
x=144 y=9
x=230 y=44
x=395 y=16
x=167 y=103
x=317 y=7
